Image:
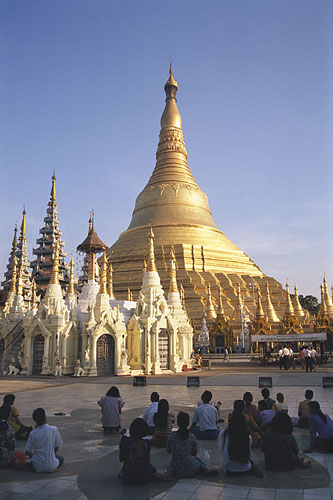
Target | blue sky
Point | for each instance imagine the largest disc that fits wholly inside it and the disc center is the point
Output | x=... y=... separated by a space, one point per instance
x=81 y=89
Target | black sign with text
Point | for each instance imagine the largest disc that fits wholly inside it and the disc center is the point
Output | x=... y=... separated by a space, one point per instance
x=265 y=382
x=193 y=381
x=139 y=381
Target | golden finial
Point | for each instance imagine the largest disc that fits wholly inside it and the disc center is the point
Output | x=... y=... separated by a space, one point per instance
x=171 y=80
x=55 y=269
x=34 y=294
x=102 y=283
x=129 y=294
x=19 y=282
x=260 y=311
x=110 y=282
x=173 y=279
x=290 y=307
x=71 y=289
x=220 y=308
x=23 y=226
x=53 y=189
x=297 y=305
x=151 y=261
x=14 y=276
x=14 y=244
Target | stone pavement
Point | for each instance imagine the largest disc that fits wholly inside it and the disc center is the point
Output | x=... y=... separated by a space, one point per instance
x=91 y=459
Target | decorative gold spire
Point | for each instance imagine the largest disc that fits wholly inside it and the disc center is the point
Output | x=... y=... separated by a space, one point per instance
x=182 y=295
x=220 y=310
x=34 y=294
x=170 y=81
x=260 y=311
x=14 y=244
x=71 y=289
x=151 y=260
x=210 y=309
x=129 y=294
x=297 y=305
x=289 y=305
x=23 y=226
x=14 y=276
x=271 y=314
x=20 y=282
x=327 y=299
x=110 y=282
x=323 y=308
x=53 y=190
x=102 y=284
x=55 y=269
x=144 y=267
x=173 y=280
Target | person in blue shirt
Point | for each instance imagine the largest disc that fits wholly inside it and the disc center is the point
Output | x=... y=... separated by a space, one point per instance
x=321 y=429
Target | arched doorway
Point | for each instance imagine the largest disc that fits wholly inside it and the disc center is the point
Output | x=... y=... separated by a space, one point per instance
x=105 y=354
x=38 y=353
x=219 y=343
x=163 y=349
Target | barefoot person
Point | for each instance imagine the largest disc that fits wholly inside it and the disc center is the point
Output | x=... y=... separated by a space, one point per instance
x=43 y=444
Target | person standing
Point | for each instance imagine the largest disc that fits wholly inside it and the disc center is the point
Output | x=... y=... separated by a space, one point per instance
x=281 y=358
x=308 y=359
x=314 y=355
x=301 y=356
x=285 y=357
x=291 y=358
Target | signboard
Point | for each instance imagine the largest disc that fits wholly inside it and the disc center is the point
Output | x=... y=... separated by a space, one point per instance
x=303 y=337
x=327 y=382
x=265 y=382
x=139 y=381
x=193 y=381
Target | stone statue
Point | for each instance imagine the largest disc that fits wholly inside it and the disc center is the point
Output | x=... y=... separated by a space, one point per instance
x=79 y=371
x=12 y=369
x=57 y=368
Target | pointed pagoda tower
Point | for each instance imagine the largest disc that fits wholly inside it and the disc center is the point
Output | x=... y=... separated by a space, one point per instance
x=50 y=233
x=23 y=261
x=6 y=284
x=90 y=246
x=179 y=210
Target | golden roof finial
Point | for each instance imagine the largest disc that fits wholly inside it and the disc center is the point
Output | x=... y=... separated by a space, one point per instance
x=211 y=313
x=23 y=226
x=297 y=305
x=260 y=311
x=220 y=309
x=171 y=80
x=71 y=289
x=20 y=282
x=53 y=189
x=55 y=269
x=14 y=276
x=14 y=244
x=271 y=314
x=327 y=297
x=290 y=307
x=102 y=285
x=323 y=308
x=34 y=294
x=151 y=260
x=110 y=282
x=129 y=294
x=173 y=279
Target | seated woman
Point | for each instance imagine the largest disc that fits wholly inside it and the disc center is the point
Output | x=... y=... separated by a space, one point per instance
x=280 y=447
x=134 y=451
x=253 y=429
x=163 y=424
x=323 y=426
x=235 y=445
x=7 y=438
x=184 y=447
x=21 y=431
x=250 y=409
x=111 y=405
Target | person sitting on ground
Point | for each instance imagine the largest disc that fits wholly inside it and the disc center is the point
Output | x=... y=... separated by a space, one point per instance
x=111 y=405
x=235 y=446
x=265 y=416
x=43 y=444
x=217 y=405
x=7 y=438
x=250 y=409
x=280 y=447
x=150 y=411
x=206 y=417
x=21 y=431
x=323 y=426
x=163 y=422
x=269 y=402
x=134 y=451
x=253 y=429
x=304 y=410
x=184 y=447
x=281 y=406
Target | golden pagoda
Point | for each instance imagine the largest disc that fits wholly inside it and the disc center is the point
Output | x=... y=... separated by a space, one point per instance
x=179 y=210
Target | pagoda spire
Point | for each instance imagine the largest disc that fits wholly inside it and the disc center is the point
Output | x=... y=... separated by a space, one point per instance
x=23 y=260
x=55 y=269
x=23 y=226
x=71 y=289
x=173 y=279
x=19 y=283
x=220 y=310
x=6 y=284
x=210 y=309
x=327 y=299
x=102 y=283
x=260 y=311
x=289 y=305
x=151 y=259
x=14 y=277
x=90 y=246
x=50 y=234
x=271 y=314
x=34 y=294
x=323 y=313
x=110 y=282
x=297 y=305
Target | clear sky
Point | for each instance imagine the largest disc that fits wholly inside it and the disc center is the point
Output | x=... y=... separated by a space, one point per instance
x=81 y=89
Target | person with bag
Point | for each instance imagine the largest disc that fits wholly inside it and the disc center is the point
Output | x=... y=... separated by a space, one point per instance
x=7 y=438
x=134 y=452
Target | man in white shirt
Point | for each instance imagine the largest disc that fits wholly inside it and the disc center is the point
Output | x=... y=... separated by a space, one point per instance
x=206 y=416
x=281 y=358
x=308 y=359
x=286 y=357
x=43 y=444
x=150 y=411
x=291 y=358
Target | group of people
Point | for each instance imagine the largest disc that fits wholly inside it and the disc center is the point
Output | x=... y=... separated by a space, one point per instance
x=266 y=425
x=42 y=442
x=307 y=356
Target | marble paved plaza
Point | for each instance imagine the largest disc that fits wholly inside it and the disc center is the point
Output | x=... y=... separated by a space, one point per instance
x=91 y=460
